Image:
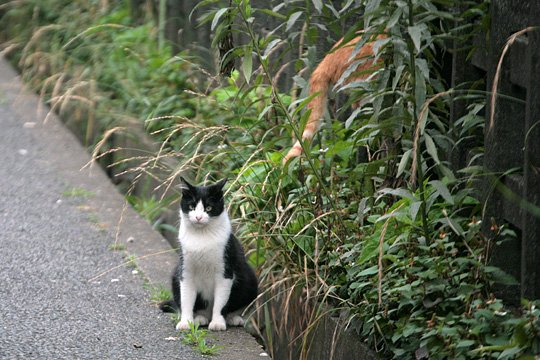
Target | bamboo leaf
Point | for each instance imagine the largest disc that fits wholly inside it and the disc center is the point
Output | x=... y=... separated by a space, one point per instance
x=218 y=15
x=247 y=65
x=453 y=225
x=395 y=18
x=292 y=20
x=442 y=190
x=318 y=5
x=397 y=77
x=413 y=209
x=431 y=148
x=415 y=32
x=403 y=162
x=401 y=192
x=270 y=47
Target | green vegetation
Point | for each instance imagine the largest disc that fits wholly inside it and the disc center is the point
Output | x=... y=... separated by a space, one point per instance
x=77 y=193
x=159 y=294
x=131 y=262
x=196 y=337
x=117 y=247
x=375 y=221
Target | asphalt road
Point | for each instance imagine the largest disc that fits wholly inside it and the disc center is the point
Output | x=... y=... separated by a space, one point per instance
x=52 y=242
x=63 y=293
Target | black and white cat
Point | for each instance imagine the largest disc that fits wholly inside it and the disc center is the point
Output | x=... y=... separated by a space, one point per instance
x=212 y=282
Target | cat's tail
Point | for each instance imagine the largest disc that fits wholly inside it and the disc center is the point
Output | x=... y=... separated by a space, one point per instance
x=168 y=306
x=319 y=82
x=327 y=73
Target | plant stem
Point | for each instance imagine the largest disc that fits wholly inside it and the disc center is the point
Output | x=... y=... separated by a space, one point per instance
x=419 y=170
x=162 y=18
x=282 y=106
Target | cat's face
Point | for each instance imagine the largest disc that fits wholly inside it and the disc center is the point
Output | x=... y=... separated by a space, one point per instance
x=200 y=204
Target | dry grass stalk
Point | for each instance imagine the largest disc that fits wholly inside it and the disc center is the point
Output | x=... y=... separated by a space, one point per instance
x=495 y=86
x=90 y=29
x=129 y=262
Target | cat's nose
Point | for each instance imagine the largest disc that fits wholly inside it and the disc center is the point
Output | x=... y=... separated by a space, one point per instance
x=198 y=218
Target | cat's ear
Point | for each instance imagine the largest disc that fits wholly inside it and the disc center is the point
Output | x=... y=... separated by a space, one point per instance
x=186 y=186
x=220 y=184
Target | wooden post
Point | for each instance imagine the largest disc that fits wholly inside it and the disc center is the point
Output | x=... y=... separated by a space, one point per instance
x=530 y=267
x=504 y=142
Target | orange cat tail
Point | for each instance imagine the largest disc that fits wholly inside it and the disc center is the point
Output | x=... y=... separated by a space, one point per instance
x=319 y=82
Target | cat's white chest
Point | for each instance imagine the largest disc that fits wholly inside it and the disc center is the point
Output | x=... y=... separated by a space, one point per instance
x=203 y=252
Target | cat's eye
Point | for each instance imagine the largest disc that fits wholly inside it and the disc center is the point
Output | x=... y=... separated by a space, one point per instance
x=191 y=207
x=208 y=208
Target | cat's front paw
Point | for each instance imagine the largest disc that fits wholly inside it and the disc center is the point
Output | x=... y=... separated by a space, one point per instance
x=183 y=325
x=235 y=320
x=201 y=320
x=218 y=324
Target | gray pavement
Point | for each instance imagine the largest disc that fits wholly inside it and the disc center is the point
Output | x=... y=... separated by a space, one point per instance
x=56 y=225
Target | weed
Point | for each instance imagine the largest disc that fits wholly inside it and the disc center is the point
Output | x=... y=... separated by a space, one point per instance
x=130 y=262
x=159 y=294
x=93 y=218
x=196 y=337
x=117 y=247
x=77 y=193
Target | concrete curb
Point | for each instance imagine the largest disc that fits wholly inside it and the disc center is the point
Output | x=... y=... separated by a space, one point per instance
x=154 y=255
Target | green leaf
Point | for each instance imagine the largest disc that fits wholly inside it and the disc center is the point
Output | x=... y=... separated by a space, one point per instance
x=270 y=47
x=420 y=92
x=414 y=208
x=369 y=251
x=415 y=32
x=247 y=65
x=510 y=353
x=397 y=77
x=292 y=20
x=394 y=18
x=442 y=190
x=218 y=15
x=401 y=192
x=403 y=162
x=369 y=271
x=453 y=225
x=431 y=148
x=500 y=276
x=273 y=13
x=318 y=5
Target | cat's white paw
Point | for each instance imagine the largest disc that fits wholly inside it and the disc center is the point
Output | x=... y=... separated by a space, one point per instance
x=201 y=320
x=235 y=320
x=218 y=324
x=183 y=325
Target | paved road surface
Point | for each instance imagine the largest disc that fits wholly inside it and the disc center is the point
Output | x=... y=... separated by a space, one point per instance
x=56 y=226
